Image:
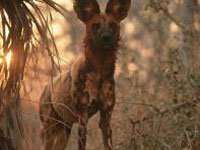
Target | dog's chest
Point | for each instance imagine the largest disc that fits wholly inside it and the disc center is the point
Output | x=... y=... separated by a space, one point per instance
x=96 y=89
x=93 y=86
x=91 y=83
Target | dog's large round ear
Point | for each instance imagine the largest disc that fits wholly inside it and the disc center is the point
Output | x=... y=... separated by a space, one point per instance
x=118 y=8
x=85 y=9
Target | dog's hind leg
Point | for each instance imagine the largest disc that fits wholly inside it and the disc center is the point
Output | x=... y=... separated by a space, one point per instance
x=55 y=137
x=48 y=138
x=62 y=138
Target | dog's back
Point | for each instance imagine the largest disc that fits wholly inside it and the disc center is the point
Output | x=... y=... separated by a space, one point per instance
x=57 y=111
x=56 y=99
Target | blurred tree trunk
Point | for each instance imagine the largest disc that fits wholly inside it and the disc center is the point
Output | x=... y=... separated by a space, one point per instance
x=189 y=8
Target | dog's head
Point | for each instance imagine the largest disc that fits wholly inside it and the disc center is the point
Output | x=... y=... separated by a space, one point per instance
x=103 y=29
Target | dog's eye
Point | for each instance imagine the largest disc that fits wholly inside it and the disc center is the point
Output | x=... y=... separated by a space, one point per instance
x=113 y=25
x=95 y=26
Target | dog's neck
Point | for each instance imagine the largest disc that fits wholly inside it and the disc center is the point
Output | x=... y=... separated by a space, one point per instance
x=101 y=59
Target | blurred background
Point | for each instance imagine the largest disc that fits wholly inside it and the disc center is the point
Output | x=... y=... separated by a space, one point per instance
x=157 y=76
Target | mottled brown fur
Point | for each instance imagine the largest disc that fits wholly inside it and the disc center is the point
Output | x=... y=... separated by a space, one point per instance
x=89 y=86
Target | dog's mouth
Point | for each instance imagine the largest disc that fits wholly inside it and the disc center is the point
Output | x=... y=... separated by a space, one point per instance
x=103 y=44
x=108 y=43
x=106 y=46
x=106 y=37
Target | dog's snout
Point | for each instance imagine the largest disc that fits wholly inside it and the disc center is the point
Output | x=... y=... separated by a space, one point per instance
x=106 y=37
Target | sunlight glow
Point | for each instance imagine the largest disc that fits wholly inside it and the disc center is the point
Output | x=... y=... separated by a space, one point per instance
x=1 y=60
x=147 y=53
x=129 y=27
x=132 y=68
x=1 y=57
x=174 y=28
x=68 y=4
x=6 y=58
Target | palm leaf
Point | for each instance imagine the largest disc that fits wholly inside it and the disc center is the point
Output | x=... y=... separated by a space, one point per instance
x=18 y=19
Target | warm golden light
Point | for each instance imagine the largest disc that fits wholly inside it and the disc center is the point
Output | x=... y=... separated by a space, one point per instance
x=1 y=57
x=1 y=60
x=130 y=27
x=173 y=27
x=6 y=58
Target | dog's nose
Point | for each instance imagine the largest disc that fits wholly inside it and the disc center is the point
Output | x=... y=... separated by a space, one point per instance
x=106 y=37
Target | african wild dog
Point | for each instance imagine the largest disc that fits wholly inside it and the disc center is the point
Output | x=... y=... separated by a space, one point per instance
x=89 y=86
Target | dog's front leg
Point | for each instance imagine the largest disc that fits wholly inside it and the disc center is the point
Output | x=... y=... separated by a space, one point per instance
x=105 y=126
x=106 y=109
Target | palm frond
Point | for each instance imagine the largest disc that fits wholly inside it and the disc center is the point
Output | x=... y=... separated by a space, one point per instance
x=18 y=18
